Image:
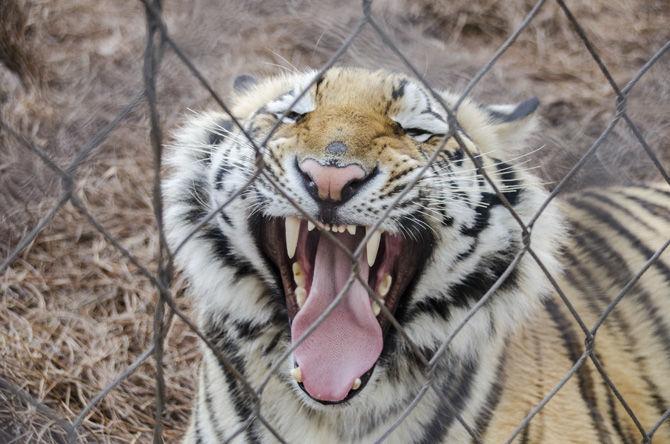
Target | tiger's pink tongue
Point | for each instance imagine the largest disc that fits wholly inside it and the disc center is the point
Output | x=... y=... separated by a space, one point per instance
x=349 y=341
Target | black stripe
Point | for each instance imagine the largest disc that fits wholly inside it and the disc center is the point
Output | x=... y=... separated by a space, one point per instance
x=248 y=330
x=225 y=218
x=609 y=259
x=491 y=200
x=614 y=416
x=399 y=175
x=222 y=249
x=196 y=426
x=456 y=157
x=655 y=209
x=482 y=215
x=242 y=401
x=429 y=108
x=273 y=342
x=597 y=310
x=217 y=136
x=196 y=198
x=636 y=243
x=395 y=190
x=467 y=253
x=414 y=226
x=209 y=408
x=493 y=397
x=660 y=191
x=429 y=111
x=571 y=342
x=454 y=394
x=592 y=287
x=470 y=289
x=399 y=91
x=607 y=201
x=435 y=305
x=446 y=219
x=488 y=270
x=508 y=178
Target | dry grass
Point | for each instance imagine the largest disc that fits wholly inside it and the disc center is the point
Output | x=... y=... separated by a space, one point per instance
x=74 y=313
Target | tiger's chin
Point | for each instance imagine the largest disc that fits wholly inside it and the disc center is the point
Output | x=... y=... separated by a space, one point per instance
x=337 y=348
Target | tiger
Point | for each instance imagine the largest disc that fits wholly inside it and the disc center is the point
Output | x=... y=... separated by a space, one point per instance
x=347 y=188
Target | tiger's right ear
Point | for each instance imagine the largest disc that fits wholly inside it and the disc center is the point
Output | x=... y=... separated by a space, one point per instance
x=243 y=83
x=513 y=124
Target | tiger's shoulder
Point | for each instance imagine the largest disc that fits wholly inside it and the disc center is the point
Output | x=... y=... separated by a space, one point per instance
x=615 y=233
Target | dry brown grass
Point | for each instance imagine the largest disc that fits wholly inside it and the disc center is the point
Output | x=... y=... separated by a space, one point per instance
x=74 y=313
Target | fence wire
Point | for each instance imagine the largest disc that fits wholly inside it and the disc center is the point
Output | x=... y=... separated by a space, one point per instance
x=158 y=39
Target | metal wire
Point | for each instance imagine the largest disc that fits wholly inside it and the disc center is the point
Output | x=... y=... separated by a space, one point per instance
x=157 y=40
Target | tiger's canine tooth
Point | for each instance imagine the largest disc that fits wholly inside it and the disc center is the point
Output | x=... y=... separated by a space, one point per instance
x=297 y=374
x=310 y=225
x=372 y=246
x=351 y=229
x=385 y=285
x=298 y=276
x=300 y=296
x=292 y=231
x=357 y=384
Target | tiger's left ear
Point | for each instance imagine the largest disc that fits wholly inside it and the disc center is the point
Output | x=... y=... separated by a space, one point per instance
x=513 y=124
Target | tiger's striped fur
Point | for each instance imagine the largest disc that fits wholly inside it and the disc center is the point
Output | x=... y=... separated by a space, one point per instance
x=613 y=233
x=506 y=358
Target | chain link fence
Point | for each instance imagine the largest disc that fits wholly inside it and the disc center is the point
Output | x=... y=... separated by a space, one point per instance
x=159 y=40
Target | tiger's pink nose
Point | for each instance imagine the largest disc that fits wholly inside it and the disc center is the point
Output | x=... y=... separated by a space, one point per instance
x=330 y=181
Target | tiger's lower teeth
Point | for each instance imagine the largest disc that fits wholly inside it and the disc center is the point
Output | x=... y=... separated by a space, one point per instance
x=376 y=308
x=357 y=384
x=385 y=285
x=297 y=374
x=300 y=296
x=298 y=275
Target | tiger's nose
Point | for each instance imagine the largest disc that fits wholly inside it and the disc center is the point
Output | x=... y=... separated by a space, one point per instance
x=332 y=183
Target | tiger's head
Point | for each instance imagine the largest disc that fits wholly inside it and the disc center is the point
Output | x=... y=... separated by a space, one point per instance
x=352 y=153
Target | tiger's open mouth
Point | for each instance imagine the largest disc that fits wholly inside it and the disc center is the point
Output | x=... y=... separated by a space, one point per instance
x=336 y=360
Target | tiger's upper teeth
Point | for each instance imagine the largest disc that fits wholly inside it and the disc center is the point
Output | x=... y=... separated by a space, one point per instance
x=292 y=231
x=292 y=225
x=372 y=246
